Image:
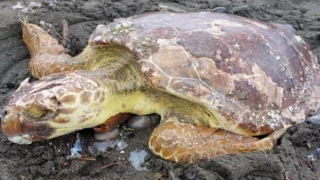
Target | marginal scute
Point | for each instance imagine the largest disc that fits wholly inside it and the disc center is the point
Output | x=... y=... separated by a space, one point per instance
x=144 y=46
x=193 y=89
x=247 y=93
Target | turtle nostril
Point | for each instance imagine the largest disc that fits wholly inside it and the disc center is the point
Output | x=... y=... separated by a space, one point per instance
x=3 y=115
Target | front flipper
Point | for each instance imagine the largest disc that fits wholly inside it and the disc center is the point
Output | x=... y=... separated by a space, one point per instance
x=113 y=122
x=186 y=143
x=47 y=55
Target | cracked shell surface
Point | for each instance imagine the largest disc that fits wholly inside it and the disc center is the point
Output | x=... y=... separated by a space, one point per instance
x=253 y=75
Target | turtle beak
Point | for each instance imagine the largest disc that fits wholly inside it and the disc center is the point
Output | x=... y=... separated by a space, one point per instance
x=13 y=129
x=23 y=131
x=10 y=127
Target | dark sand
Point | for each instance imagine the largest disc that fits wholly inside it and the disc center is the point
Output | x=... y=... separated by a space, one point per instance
x=47 y=160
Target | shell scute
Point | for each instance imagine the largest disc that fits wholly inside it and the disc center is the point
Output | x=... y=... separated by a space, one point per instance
x=154 y=75
x=170 y=58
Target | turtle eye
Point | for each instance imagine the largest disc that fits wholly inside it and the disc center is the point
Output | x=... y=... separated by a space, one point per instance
x=41 y=108
x=35 y=112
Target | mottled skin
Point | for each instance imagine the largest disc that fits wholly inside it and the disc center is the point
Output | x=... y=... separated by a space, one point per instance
x=216 y=80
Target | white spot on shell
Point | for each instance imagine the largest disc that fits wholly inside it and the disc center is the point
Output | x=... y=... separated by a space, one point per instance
x=290 y=108
x=237 y=46
x=258 y=24
x=224 y=22
x=299 y=39
x=117 y=27
x=97 y=38
x=101 y=26
x=277 y=116
x=127 y=24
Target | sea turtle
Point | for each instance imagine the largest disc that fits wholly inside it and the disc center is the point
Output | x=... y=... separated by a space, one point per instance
x=218 y=81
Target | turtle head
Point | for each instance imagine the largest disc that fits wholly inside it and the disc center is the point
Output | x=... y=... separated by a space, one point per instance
x=55 y=105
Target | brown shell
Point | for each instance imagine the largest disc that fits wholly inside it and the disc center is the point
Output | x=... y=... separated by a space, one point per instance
x=254 y=76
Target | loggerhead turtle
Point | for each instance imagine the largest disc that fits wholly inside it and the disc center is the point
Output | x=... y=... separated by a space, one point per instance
x=217 y=81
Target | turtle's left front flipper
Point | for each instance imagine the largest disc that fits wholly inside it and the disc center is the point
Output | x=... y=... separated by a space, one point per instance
x=112 y=122
x=47 y=55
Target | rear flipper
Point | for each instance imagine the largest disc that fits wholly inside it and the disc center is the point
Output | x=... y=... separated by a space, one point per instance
x=185 y=143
